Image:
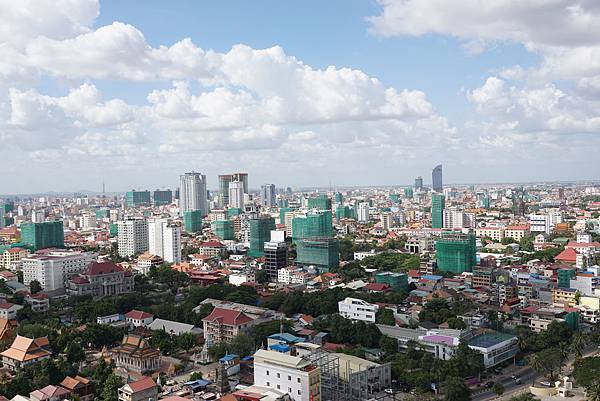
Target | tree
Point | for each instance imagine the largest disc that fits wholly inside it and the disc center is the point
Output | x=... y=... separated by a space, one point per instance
x=498 y=388
x=592 y=391
x=186 y=341
x=586 y=370
x=262 y=276
x=111 y=387
x=456 y=390
x=456 y=323
x=35 y=287
x=578 y=344
x=547 y=362
x=75 y=353
x=385 y=316
x=389 y=345
x=196 y=376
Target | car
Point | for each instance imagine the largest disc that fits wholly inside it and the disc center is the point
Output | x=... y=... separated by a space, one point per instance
x=489 y=384
x=547 y=384
x=389 y=391
x=517 y=380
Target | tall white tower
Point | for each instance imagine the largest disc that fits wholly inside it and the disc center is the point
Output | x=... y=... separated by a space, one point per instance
x=192 y=193
x=236 y=194
x=268 y=195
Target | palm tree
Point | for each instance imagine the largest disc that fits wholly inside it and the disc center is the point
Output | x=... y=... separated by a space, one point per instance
x=578 y=344
x=537 y=364
x=592 y=391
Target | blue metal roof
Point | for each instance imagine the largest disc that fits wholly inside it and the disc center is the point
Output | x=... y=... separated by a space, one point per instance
x=279 y=347
x=228 y=358
x=286 y=337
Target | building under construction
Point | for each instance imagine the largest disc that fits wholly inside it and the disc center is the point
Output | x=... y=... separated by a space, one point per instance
x=455 y=252
x=349 y=378
x=320 y=252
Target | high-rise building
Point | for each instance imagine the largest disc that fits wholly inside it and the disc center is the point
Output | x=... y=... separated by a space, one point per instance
x=314 y=224
x=260 y=232
x=456 y=253
x=236 y=194
x=343 y=212
x=275 y=257
x=437 y=210
x=321 y=202
x=363 y=212
x=2 y=216
x=193 y=195
x=436 y=178
x=408 y=192
x=224 y=180
x=49 y=234
x=385 y=219
x=132 y=236
x=419 y=183
x=223 y=229
x=164 y=239
x=518 y=202
x=192 y=221
x=38 y=215
x=268 y=193
x=162 y=197
x=322 y=253
x=454 y=218
x=137 y=198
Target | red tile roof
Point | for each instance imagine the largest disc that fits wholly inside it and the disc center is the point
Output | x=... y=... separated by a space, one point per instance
x=228 y=316
x=96 y=268
x=144 y=383
x=212 y=244
x=568 y=255
x=6 y=305
x=138 y=314
x=377 y=287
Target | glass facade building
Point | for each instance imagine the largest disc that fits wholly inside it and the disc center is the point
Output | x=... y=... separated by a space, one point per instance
x=49 y=234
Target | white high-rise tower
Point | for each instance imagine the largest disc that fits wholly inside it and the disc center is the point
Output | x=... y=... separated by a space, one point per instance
x=192 y=193
x=236 y=194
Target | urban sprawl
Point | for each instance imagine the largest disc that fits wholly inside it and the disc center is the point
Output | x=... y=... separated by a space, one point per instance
x=420 y=292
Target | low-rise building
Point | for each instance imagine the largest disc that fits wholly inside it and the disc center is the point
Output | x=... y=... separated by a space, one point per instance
x=137 y=318
x=25 y=351
x=50 y=393
x=357 y=309
x=136 y=354
x=9 y=311
x=101 y=279
x=293 y=375
x=80 y=386
x=144 y=389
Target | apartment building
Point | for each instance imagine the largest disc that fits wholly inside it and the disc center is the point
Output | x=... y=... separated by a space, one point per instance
x=357 y=309
x=54 y=268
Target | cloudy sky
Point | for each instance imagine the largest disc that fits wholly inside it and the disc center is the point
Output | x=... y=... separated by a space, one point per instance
x=352 y=92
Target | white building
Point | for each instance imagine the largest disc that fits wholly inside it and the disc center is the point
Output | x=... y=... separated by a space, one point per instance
x=88 y=220
x=53 y=269
x=385 y=219
x=544 y=223
x=363 y=212
x=132 y=236
x=236 y=194
x=9 y=311
x=357 y=309
x=38 y=216
x=454 y=218
x=292 y=275
x=192 y=193
x=164 y=239
x=293 y=375
x=268 y=195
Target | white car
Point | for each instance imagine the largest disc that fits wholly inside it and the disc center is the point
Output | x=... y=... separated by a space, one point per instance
x=389 y=391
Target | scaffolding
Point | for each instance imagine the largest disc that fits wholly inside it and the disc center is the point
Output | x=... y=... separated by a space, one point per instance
x=456 y=253
x=321 y=252
x=318 y=224
x=333 y=388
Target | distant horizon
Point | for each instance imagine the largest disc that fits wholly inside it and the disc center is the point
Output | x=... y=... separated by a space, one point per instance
x=325 y=188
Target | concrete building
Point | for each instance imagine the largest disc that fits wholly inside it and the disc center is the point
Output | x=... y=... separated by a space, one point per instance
x=544 y=222
x=236 y=194
x=268 y=195
x=100 y=280
x=53 y=268
x=144 y=389
x=275 y=256
x=9 y=311
x=11 y=259
x=454 y=218
x=363 y=212
x=436 y=178
x=357 y=309
x=132 y=237
x=193 y=195
x=294 y=375
x=164 y=239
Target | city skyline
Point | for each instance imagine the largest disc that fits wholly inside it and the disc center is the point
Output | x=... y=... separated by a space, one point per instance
x=136 y=95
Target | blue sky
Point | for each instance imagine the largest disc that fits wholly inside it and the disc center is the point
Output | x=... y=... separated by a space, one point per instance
x=113 y=89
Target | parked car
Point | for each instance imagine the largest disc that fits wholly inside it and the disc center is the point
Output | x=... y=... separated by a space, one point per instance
x=389 y=391
x=489 y=384
x=547 y=384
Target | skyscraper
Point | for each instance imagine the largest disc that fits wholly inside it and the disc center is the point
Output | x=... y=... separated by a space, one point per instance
x=456 y=253
x=236 y=194
x=363 y=212
x=268 y=195
x=224 y=180
x=436 y=178
x=193 y=193
x=135 y=198
x=419 y=183
x=437 y=210
x=260 y=232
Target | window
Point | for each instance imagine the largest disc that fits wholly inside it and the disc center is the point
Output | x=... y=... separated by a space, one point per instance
x=278 y=387
x=298 y=380
x=267 y=373
x=290 y=378
x=268 y=384
x=299 y=392
x=278 y=375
